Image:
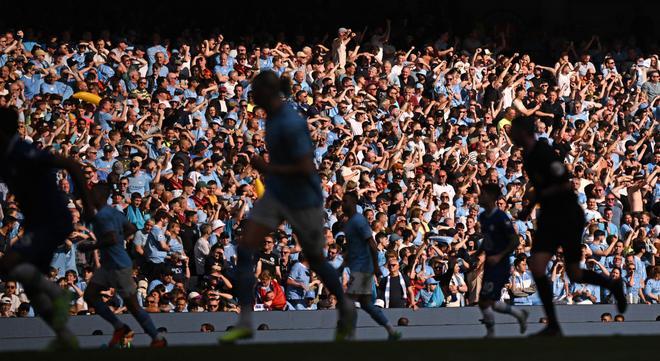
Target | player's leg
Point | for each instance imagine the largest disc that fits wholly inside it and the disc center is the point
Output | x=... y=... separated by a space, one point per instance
x=143 y=318
x=49 y=301
x=519 y=314
x=263 y=219
x=377 y=314
x=308 y=225
x=486 y=307
x=494 y=280
x=360 y=288
x=572 y=255
x=93 y=298
x=537 y=264
x=579 y=275
x=254 y=235
x=127 y=290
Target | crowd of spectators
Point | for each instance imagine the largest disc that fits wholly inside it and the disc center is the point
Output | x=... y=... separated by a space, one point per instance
x=415 y=132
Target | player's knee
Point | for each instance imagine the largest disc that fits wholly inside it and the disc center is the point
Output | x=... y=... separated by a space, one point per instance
x=365 y=301
x=132 y=304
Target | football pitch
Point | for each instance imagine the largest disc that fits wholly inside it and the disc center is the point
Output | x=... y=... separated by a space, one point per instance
x=627 y=348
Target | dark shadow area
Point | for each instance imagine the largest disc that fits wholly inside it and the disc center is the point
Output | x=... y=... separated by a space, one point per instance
x=539 y=28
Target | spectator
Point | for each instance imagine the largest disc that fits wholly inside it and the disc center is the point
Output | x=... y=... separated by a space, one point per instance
x=202 y=249
x=207 y=327
x=606 y=317
x=652 y=288
x=395 y=290
x=12 y=293
x=298 y=283
x=267 y=260
x=431 y=296
x=415 y=132
x=522 y=283
x=5 y=307
x=270 y=293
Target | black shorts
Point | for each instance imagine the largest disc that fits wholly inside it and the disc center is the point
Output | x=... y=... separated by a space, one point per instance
x=560 y=225
x=495 y=277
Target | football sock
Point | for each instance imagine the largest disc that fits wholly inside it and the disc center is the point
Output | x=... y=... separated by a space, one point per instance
x=147 y=323
x=106 y=313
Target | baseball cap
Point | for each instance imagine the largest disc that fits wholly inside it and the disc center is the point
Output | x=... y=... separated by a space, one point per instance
x=200 y=185
x=431 y=281
x=395 y=237
x=415 y=220
x=342 y=30
x=107 y=148
x=199 y=147
x=6 y=300
x=193 y=295
x=310 y=294
x=217 y=224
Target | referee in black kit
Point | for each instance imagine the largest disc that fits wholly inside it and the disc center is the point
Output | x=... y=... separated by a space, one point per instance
x=560 y=220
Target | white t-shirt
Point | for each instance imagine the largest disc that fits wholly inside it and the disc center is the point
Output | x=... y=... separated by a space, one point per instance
x=202 y=249
x=564 y=84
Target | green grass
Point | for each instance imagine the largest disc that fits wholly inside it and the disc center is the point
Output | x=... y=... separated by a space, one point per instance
x=619 y=348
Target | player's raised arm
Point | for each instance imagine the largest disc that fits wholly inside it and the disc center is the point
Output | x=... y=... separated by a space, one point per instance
x=76 y=174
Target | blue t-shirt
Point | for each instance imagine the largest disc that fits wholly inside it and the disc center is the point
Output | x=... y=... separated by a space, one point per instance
x=103 y=119
x=139 y=182
x=358 y=233
x=110 y=220
x=299 y=273
x=652 y=288
x=104 y=165
x=153 y=250
x=288 y=141
x=64 y=259
x=32 y=85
